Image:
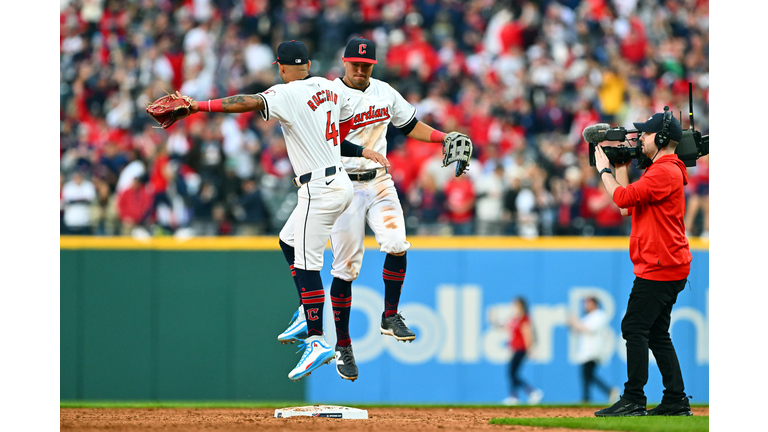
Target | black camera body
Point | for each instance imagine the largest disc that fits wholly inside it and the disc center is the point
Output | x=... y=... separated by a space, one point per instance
x=691 y=147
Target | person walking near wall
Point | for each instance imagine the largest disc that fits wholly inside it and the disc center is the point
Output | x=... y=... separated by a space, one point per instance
x=521 y=343
x=592 y=338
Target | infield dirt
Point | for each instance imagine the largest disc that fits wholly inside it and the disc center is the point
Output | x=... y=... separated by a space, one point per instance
x=262 y=419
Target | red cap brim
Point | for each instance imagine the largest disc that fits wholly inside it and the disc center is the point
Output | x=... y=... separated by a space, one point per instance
x=359 y=60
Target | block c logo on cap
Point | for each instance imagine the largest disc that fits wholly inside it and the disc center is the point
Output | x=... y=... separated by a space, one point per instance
x=361 y=49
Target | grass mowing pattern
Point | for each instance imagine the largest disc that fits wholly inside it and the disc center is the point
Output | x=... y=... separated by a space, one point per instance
x=628 y=424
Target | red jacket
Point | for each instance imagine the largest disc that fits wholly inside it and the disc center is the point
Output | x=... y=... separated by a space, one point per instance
x=516 y=340
x=657 y=244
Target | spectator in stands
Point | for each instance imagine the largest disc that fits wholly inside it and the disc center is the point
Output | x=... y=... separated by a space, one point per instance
x=202 y=207
x=105 y=217
x=78 y=194
x=254 y=217
x=134 y=205
x=62 y=227
x=525 y=207
x=608 y=219
x=460 y=202
x=698 y=198
x=490 y=202
x=567 y=194
x=428 y=203
x=221 y=220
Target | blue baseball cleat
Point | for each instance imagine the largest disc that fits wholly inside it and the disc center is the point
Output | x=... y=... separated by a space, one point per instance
x=317 y=352
x=297 y=329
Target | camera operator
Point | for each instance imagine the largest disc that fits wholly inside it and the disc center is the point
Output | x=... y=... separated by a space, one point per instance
x=659 y=251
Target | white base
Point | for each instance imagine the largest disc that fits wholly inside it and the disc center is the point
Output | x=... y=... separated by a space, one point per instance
x=330 y=411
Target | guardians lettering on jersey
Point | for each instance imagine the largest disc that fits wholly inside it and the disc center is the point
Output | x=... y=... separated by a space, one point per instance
x=323 y=96
x=369 y=117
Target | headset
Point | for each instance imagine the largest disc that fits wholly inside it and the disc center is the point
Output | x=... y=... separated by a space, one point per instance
x=662 y=138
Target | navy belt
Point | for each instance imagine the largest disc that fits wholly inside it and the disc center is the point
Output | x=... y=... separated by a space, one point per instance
x=364 y=176
x=306 y=178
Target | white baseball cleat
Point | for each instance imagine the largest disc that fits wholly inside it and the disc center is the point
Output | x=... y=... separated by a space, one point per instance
x=535 y=397
x=317 y=352
x=297 y=329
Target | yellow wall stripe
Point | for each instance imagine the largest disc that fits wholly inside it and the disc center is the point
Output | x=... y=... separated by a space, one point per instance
x=270 y=243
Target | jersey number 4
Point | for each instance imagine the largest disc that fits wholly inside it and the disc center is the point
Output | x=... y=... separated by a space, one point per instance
x=331 y=133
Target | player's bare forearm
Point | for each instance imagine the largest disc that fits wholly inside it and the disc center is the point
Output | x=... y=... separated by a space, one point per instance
x=421 y=132
x=242 y=103
x=231 y=104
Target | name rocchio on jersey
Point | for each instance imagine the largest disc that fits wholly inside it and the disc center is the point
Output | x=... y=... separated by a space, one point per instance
x=321 y=97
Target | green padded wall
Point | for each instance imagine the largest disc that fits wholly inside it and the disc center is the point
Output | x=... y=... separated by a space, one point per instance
x=143 y=324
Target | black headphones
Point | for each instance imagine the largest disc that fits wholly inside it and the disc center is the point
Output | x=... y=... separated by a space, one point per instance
x=662 y=138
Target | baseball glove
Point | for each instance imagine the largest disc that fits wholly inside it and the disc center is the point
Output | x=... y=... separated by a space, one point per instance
x=170 y=108
x=457 y=148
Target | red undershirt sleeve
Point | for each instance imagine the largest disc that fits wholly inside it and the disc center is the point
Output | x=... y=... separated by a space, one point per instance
x=344 y=129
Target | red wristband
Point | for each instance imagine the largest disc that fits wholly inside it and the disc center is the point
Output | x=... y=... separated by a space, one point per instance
x=436 y=136
x=211 y=106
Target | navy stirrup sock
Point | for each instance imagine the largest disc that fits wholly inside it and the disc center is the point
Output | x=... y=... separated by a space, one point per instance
x=341 y=300
x=313 y=299
x=394 y=275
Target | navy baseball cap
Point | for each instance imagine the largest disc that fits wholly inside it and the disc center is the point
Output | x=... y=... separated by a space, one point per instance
x=360 y=50
x=292 y=53
x=656 y=123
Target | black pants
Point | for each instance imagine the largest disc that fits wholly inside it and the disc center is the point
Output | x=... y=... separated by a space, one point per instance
x=588 y=378
x=646 y=325
x=514 y=374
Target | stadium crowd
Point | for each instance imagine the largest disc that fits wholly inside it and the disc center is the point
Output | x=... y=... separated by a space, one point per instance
x=522 y=78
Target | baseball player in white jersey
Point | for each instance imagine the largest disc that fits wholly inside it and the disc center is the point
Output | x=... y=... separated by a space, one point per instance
x=309 y=109
x=376 y=105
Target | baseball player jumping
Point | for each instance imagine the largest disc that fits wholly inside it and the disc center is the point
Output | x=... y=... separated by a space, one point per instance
x=376 y=105
x=309 y=109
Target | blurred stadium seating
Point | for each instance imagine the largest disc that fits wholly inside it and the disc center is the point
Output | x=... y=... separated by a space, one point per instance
x=522 y=78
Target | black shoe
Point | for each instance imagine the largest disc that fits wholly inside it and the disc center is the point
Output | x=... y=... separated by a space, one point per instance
x=393 y=325
x=345 y=363
x=622 y=408
x=681 y=408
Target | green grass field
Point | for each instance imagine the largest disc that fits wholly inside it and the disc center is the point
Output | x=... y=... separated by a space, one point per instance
x=628 y=424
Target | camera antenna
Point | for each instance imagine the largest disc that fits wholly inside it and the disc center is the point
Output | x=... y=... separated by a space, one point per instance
x=690 y=105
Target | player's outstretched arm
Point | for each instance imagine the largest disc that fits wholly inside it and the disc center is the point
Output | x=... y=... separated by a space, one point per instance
x=232 y=104
x=173 y=107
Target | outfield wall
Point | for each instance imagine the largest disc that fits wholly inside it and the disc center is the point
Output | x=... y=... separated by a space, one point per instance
x=198 y=320
x=144 y=324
